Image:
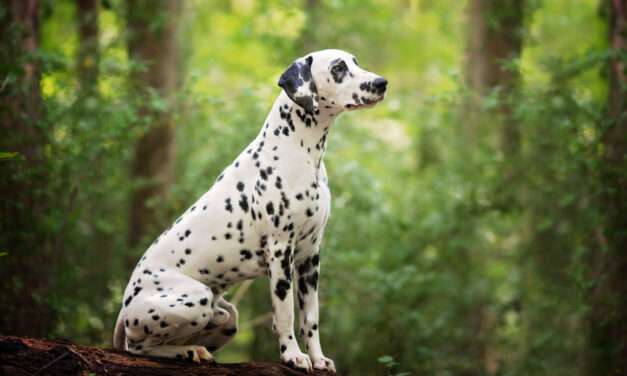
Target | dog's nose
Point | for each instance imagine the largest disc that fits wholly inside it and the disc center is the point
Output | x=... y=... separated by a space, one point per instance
x=380 y=84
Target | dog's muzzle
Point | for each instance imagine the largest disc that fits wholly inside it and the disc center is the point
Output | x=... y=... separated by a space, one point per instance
x=380 y=85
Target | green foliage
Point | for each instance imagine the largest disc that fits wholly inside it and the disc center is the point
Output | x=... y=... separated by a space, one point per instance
x=435 y=260
x=390 y=364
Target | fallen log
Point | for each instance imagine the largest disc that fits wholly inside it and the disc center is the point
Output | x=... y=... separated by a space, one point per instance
x=28 y=356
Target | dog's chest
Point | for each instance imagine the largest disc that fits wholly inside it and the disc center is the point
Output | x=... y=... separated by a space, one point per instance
x=297 y=201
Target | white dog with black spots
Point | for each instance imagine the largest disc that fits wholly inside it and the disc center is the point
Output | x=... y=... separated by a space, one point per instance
x=265 y=215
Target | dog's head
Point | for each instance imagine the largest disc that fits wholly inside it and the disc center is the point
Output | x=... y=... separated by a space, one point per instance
x=331 y=80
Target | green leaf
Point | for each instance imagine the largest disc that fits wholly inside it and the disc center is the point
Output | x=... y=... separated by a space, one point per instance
x=386 y=359
x=8 y=155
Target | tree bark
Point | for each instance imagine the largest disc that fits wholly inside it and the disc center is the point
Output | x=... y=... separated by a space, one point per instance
x=152 y=42
x=27 y=264
x=27 y=356
x=494 y=39
x=88 y=48
x=608 y=330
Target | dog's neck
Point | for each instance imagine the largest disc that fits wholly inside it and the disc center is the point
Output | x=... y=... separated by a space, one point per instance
x=289 y=127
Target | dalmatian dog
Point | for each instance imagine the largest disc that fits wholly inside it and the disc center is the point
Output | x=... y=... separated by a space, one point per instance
x=265 y=215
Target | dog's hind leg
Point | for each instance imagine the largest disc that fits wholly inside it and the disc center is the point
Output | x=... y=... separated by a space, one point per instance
x=161 y=323
x=222 y=328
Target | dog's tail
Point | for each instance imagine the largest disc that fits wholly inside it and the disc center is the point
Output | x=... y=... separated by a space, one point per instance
x=119 y=335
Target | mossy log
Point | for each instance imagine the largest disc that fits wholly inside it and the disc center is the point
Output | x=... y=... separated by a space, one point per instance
x=28 y=356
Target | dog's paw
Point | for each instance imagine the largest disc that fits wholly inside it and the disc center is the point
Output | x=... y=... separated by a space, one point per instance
x=323 y=363
x=220 y=316
x=297 y=359
x=196 y=354
x=203 y=354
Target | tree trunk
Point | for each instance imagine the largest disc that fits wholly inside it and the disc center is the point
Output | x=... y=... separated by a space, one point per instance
x=27 y=261
x=88 y=49
x=608 y=331
x=152 y=42
x=308 y=36
x=494 y=39
x=27 y=356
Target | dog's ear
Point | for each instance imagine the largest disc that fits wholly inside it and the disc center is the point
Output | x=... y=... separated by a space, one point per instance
x=299 y=85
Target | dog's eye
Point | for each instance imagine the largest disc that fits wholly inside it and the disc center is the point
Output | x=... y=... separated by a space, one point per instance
x=338 y=71
x=355 y=61
x=339 y=68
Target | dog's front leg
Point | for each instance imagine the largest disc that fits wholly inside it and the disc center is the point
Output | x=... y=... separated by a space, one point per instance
x=307 y=276
x=281 y=269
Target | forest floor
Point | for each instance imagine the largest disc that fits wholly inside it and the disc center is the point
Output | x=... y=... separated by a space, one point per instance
x=27 y=356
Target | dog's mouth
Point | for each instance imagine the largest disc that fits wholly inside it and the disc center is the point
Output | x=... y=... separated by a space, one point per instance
x=364 y=102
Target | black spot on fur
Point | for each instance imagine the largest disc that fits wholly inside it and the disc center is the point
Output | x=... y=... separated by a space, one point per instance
x=312 y=280
x=243 y=203
x=315 y=260
x=302 y=286
x=281 y=288
x=339 y=69
x=228 y=207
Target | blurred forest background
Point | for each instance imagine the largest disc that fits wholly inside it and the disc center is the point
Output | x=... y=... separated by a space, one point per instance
x=479 y=212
